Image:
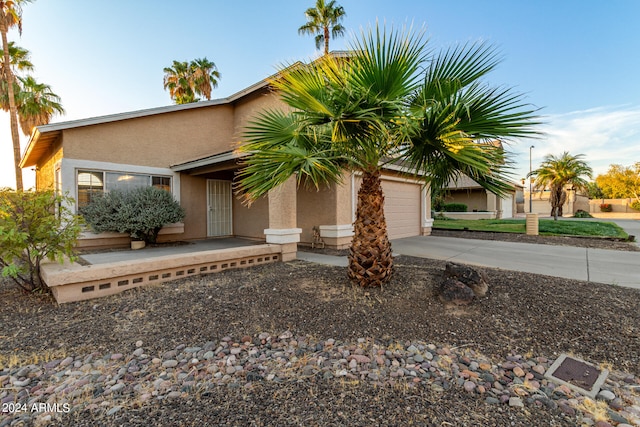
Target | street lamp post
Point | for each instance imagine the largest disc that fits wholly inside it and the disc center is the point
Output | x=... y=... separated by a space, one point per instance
x=530 y=189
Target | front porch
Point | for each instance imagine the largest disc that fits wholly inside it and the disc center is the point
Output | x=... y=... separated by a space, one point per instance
x=112 y=272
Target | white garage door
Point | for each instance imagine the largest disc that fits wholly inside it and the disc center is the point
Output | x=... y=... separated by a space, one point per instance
x=507 y=206
x=401 y=208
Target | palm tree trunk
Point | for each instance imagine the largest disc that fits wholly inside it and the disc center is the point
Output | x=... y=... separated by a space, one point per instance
x=326 y=40
x=13 y=111
x=370 y=256
x=557 y=198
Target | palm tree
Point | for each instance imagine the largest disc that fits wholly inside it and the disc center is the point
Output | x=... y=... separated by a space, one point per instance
x=177 y=80
x=556 y=172
x=205 y=76
x=185 y=80
x=386 y=102
x=19 y=58
x=11 y=16
x=36 y=104
x=323 y=21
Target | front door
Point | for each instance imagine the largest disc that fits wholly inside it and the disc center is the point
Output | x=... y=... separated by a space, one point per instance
x=219 y=213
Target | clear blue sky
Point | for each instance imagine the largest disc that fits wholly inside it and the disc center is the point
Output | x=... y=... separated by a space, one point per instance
x=578 y=60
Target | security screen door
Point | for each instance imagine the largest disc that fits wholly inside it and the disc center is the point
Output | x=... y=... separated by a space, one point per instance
x=219 y=208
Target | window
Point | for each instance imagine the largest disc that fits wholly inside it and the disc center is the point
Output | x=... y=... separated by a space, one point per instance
x=125 y=181
x=92 y=183
x=161 y=182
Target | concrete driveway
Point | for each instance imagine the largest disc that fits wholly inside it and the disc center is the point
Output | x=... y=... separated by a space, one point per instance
x=594 y=265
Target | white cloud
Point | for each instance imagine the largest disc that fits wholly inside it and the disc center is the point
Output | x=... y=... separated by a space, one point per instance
x=605 y=136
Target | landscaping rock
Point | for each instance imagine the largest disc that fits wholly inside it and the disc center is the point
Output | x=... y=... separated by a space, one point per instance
x=475 y=279
x=606 y=395
x=456 y=292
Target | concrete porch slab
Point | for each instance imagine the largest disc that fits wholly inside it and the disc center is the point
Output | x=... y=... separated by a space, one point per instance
x=74 y=282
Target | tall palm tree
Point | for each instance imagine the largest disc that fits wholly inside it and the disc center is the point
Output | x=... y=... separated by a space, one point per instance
x=556 y=172
x=386 y=102
x=177 y=79
x=186 y=80
x=205 y=76
x=10 y=17
x=36 y=104
x=323 y=21
x=19 y=59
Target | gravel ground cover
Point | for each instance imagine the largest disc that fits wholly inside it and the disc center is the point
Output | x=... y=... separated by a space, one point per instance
x=295 y=344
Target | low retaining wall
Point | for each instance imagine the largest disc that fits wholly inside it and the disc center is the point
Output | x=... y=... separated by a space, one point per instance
x=91 y=240
x=616 y=215
x=617 y=206
x=73 y=282
x=468 y=215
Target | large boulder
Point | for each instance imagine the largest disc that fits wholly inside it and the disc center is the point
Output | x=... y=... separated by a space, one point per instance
x=455 y=292
x=475 y=279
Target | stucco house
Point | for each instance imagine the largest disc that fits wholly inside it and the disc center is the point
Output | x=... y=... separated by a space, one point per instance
x=189 y=150
x=480 y=201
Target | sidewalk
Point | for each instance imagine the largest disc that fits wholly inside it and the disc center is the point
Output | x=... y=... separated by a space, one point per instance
x=590 y=265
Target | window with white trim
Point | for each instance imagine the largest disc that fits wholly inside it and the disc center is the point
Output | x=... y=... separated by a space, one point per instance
x=92 y=183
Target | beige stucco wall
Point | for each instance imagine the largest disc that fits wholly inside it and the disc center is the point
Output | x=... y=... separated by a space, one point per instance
x=247 y=221
x=344 y=200
x=617 y=205
x=581 y=203
x=542 y=206
x=160 y=140
x=474 y=199
x=250 y=221
x=315 y=208
x=248 y=108
x=45 y=170
x=193 y=198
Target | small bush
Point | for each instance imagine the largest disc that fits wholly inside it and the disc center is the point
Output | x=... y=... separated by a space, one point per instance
x=35 y=226
x=606 y=207
x=454 y=207
x=141 y=212
x=582 y=214
x=635 y=205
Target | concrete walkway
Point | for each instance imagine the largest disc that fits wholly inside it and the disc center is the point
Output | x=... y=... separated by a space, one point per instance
x=591 y=265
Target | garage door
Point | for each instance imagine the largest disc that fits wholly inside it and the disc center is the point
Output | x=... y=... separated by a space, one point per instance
x=401 y=208
x=507 y=206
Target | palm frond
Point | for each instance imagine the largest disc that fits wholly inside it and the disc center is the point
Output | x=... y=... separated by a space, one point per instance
x=280 y=149
x=562 y=170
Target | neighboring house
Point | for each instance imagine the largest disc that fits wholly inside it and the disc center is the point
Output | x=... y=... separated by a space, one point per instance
x=465 y=190
x=540 y=202
x=189 y=150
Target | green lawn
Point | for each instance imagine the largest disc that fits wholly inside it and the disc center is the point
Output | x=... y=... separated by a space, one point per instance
x=546 y=227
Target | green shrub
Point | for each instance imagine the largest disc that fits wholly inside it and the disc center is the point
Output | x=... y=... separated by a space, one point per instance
x=606 y=207
x=635 y=205
x=582 y=214
x=35 y=226
x=140 y=212
x=454 y=207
